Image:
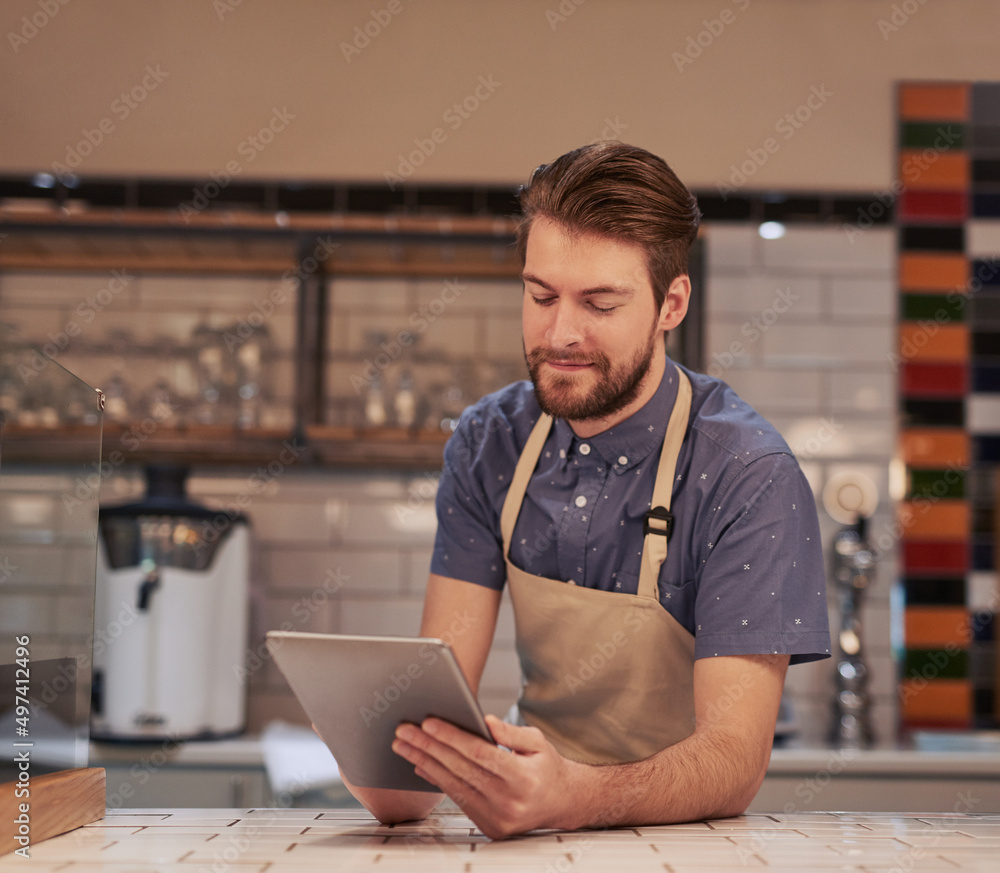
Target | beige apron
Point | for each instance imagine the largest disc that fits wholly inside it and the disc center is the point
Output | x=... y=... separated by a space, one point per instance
x=608 y=677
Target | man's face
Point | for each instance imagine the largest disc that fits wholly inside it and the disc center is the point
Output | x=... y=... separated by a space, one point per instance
x=592 y=335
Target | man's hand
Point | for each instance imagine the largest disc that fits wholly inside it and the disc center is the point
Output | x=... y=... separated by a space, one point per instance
x=503 y=792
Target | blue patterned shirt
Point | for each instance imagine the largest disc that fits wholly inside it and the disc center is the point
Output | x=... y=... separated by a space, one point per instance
x=744 y=570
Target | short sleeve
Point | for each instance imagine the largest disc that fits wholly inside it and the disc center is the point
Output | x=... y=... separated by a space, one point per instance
x=469 y=496
x=762 y=587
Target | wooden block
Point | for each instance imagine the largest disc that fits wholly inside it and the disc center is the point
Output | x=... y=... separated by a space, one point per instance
x=57 y=803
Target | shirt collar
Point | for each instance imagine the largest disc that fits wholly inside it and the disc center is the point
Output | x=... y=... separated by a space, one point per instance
x=631 y=441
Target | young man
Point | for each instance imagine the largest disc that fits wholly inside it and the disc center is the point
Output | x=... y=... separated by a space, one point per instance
x=652 y=676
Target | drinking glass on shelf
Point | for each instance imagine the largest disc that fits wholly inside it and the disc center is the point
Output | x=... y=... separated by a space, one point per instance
x=116 y=400
x=211 y=366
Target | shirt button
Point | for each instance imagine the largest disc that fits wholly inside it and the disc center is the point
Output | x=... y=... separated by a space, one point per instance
x=581 y=501
x=623 y=460
x=584 y=448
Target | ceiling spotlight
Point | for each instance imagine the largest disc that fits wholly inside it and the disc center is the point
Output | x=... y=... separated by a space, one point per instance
x=771 y=230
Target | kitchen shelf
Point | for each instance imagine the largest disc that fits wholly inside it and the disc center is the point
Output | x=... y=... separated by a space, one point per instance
x=303 y=246
x=165 y=241
x=320 y=445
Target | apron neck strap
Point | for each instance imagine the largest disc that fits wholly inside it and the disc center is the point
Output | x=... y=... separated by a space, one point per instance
x=522 y=475
x=658 y=521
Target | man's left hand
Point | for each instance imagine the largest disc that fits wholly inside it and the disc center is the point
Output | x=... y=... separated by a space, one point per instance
x=503 y=792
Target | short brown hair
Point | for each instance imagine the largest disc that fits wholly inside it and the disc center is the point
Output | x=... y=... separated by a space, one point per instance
x=619 y=191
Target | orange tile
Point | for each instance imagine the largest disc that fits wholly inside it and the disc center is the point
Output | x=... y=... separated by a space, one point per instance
x=934 y=447
x=929 y=341
x=936 y=701
x=944 y=171
x=926 y=519
x=931 y=627
x=921 y=272
x=934 y=102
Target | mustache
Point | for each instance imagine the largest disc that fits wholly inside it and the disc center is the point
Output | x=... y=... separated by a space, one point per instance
x=541 y=355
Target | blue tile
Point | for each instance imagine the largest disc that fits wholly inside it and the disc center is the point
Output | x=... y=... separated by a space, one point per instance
x=982 y=556
x=986 y=205
x=986 y=449
x=986 y=378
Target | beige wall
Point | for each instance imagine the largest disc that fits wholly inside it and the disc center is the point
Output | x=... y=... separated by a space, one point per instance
x=560 y=80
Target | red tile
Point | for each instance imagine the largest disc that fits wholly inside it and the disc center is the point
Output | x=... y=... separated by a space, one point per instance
x=935 y=557
x=934 y=380
x=933 y=205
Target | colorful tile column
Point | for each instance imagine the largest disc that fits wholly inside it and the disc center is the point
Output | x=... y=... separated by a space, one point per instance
x=948 y=216
x=932 y=208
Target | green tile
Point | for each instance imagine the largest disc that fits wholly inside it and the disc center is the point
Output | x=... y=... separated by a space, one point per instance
x=942 y=484
x=934 y=306
x=928 y=135
x=936 y=664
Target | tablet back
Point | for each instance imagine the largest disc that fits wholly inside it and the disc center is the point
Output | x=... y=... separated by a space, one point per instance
x=357 y=689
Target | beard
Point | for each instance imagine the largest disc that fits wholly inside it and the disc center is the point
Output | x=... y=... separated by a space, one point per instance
x=567 y=396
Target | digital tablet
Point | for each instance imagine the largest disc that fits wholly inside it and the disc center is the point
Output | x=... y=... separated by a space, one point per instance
x=357 y=690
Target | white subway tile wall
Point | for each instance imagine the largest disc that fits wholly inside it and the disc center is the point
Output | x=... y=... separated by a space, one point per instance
x=802 y=327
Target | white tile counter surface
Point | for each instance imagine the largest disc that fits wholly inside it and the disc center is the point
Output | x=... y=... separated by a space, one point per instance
x=286 y=840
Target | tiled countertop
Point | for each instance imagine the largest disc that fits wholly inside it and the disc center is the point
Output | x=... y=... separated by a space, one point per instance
x=294 y=840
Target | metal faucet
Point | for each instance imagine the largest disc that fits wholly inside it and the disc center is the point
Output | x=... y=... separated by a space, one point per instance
x=853 y=571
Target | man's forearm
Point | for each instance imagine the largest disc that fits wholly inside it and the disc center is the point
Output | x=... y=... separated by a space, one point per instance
x=711 y=774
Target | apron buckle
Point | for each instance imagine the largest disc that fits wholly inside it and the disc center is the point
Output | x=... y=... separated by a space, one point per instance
x=661 y=514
